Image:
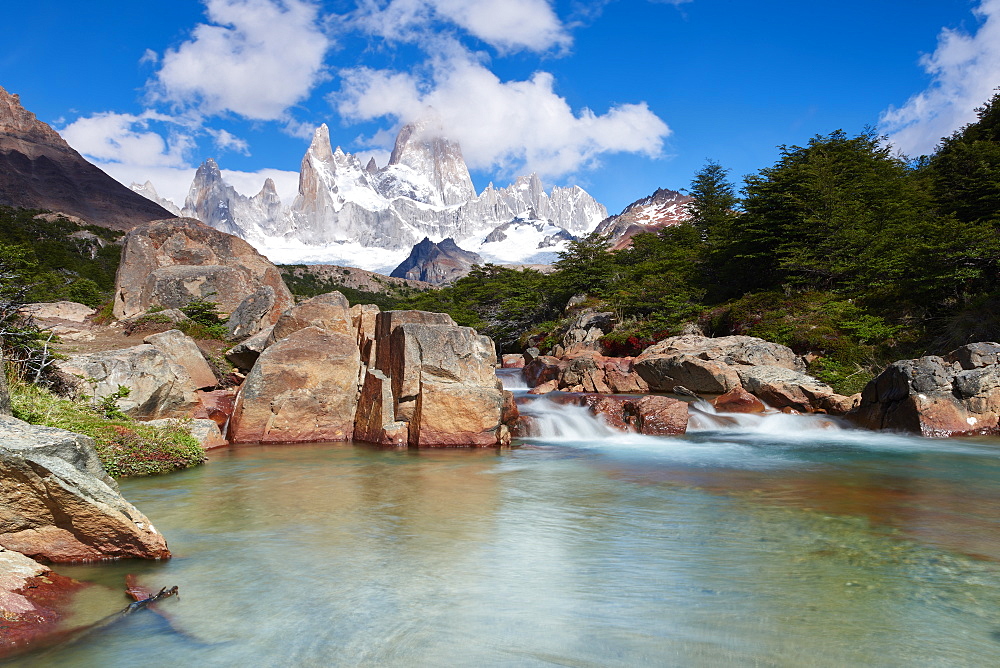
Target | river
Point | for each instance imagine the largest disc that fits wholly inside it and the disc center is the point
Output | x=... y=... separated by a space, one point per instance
x=771 y=542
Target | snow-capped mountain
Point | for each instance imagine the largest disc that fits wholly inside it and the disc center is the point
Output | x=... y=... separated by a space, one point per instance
x=347 y=211
x=661 y=209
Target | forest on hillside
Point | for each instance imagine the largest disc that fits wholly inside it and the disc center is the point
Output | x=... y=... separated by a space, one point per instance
x=843 y=249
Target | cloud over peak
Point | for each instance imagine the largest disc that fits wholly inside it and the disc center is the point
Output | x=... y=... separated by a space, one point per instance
x=509 y=125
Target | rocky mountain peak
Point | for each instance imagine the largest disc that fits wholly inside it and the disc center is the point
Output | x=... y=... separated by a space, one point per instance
x=661 y=209
x=423 y=148
x=437 y=263
x=18 y=122
x=320 y=147
x=371 y=167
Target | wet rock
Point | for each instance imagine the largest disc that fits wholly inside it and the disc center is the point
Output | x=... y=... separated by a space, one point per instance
x=217 y=406
x=656 y=415
x=33 y=601
x=58 y=504
x=611 y=408
x=621 y=377
x=780 y=387
x=545 y=388
x=958 y=394
x=513 y=361
x=586 y=373
x=542 y=369
x=738 y=400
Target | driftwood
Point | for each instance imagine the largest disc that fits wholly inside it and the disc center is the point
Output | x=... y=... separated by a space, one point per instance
x=143 y=599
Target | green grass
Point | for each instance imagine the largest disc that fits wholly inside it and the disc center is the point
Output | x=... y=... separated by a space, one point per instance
x=125 y=447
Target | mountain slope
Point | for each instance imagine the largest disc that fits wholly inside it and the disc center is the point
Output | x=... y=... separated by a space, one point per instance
x=39 y=170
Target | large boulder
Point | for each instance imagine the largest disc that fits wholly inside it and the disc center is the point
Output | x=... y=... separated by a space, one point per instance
x=158 y=386
x=783 y=388
x=437 y=379
x=330 y=311
x=253 y=314
x=58 y=504
x=709 y=365
x=956 y=395
x=170 y=262
x=302 y=388
x=181 y=349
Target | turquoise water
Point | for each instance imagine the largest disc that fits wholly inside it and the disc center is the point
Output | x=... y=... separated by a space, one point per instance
x=775 y=544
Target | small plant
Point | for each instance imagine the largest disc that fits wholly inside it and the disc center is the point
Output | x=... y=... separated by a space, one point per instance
x=108 y=406
x=125 y=447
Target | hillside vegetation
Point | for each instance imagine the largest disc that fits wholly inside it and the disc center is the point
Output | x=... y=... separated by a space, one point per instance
x=842 y=249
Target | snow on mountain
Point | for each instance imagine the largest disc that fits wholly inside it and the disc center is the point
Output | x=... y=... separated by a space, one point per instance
x=523 y=241
x=424 y=191
x=149 y=192
x=661 y=209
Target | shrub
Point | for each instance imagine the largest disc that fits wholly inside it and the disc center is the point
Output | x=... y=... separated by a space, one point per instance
x=125 y=447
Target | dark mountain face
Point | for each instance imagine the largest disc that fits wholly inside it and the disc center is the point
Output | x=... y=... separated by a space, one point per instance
x=39 y=170
x=436 y=263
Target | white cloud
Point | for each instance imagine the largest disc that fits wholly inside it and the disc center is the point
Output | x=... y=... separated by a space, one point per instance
x=965 y=70
x=127 y=138
x=256 y=58
x=226 y=141
x=512 y=125
x=508 y=25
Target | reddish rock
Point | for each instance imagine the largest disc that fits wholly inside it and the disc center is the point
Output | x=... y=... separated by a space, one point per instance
x=738 y=400
x=545 y=388
x=622 y=378
x=611 y=408
x=542 y=369
x=513 y=361
x=657 y=415
x=217 y=406
x=33 y=602
x=375 y=421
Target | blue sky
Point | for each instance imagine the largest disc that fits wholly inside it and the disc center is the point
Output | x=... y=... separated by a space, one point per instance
x=620 y=97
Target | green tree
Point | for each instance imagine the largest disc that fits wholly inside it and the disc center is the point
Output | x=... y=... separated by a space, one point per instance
x=965 y=170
